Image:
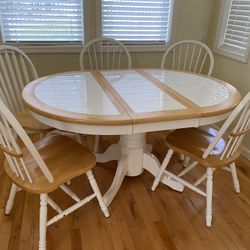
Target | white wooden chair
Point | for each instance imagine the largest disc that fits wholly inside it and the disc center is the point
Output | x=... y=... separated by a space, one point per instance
x=104 y=53
x=209 y=148
x=16 y=70
x=191 y=56
x=44 y=167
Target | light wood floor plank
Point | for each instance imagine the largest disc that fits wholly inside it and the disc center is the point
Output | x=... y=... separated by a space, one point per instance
x=139 y=218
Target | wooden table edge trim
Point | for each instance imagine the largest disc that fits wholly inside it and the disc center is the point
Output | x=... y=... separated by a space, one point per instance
x=114 y=97
x=63 y=116
x=174 y=94
x=204 y=111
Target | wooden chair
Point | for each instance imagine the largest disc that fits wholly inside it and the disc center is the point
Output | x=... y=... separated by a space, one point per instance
x=211 y=149
x=16 y=70
x=104 y=53
x=191 y=56
x=44 y=167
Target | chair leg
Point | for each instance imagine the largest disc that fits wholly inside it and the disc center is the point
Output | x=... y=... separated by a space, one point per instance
x=235 y=177
x=78 y=138
x=162 y=168
x=97 y=192
x=209 y=193
x=186 y=161
x=43 y=221
x=11 y=199
x=96 y=145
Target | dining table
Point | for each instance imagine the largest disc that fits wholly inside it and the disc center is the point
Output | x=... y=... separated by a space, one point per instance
x=129 y=103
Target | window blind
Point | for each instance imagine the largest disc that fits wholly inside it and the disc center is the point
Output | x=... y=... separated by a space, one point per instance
x=237 y=32
x=137 y=21
x=39 y=21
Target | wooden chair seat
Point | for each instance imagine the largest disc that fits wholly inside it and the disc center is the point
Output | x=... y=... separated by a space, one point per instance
x=209 y=148
x=193 y=142
x=29 y=123
x=64 y=157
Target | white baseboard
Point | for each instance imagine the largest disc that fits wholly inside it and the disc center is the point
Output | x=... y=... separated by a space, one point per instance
x=246 y=152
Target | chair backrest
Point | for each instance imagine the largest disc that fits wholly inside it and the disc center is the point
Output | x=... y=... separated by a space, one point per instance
x=104 y=53
x=16 y=70
x=236 y=127
x=9 y=130
x=191 y=56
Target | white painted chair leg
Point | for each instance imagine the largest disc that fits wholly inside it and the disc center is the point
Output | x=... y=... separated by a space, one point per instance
x=97 y=141
x=78 y=138
x=235 y=178
x=68 y=183
x=162 y=168
x=186 y=161
x=41 y=135
x=182 y=157
x=97 y=192
x=11 y=199
x=43 y=221
x=200 y=180
x=209 y=192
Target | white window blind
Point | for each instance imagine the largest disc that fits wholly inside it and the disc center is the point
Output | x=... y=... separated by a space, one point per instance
x=137 y=21
x=235 y=34
x=42 y=21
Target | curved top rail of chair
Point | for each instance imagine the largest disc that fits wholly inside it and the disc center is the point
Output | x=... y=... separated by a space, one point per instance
x=194 y=42
x=129 y=97
x=104 y=39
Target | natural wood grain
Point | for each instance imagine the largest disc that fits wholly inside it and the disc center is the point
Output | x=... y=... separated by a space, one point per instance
x=35 y=105
x=29 y=123
x=127 y=116
x=140 y=218
x=65 y=159
x=180 y=140
x=228 y=105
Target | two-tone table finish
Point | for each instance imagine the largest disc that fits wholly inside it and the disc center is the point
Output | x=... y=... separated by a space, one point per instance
x=129 y=103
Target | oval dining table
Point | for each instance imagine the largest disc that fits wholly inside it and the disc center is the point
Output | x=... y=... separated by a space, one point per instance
x=129 y=103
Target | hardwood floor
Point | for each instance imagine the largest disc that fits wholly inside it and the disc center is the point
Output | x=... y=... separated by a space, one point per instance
x=140 y=218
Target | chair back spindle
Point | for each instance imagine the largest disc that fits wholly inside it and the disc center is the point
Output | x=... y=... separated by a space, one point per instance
x=16 y=70
x=236 y=127
x=104 y=53
x=9 y=130
x=191 y=56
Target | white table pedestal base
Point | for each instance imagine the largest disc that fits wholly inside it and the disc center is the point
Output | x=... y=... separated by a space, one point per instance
x=133 y=157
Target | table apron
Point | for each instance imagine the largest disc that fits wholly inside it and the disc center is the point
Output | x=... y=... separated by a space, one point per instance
x=84 y=128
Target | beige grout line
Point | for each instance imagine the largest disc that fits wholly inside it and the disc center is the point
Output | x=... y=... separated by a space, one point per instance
x=114 y=97
x=178 y=97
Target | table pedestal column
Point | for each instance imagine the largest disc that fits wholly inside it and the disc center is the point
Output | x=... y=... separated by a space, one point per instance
x=133 y=157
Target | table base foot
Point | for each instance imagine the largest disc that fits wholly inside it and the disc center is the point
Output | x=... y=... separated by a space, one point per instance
x=152 y=165
x=112 y=153
x=120 y=174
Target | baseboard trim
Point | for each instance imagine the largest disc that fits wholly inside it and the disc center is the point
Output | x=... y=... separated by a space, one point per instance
x=246 y=152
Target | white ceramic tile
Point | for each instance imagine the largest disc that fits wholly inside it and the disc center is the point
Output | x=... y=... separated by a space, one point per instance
x=202 y=91
x=139 y=93
x=77 y=92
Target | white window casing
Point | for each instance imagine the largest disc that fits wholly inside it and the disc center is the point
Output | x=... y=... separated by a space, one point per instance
x=42 y=23
x=139 y=24
x=233 y=31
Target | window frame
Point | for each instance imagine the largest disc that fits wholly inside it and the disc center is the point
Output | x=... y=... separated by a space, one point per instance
x=57 y=47
x=219 y=38
x=141 y=47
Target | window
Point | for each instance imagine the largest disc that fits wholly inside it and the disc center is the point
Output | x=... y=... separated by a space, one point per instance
x=42 y=21
x=137 y=21
x=233 y=33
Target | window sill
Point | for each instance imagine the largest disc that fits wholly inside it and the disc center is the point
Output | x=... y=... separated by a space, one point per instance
x=146 y=48
x=77 y=48
x=49 y=48
x=231 y=55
